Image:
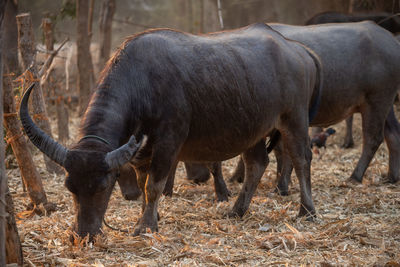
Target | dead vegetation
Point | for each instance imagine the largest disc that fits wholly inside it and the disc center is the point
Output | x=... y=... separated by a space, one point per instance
x=355 y=225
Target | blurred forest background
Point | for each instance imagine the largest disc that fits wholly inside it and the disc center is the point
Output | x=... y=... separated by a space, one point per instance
x=196 y=16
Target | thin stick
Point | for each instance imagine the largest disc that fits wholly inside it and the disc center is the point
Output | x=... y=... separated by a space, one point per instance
x=113 y=228
x=221 y=20
x=49 y=60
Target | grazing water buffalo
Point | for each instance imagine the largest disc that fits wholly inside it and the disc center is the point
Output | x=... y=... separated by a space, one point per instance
x=388 y=21
x=190 y=98
x=361 y=74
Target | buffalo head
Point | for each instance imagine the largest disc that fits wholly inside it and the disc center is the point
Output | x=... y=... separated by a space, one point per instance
x=91 y=170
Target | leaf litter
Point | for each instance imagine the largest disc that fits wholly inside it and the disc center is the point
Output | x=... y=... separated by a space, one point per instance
x=355 y=225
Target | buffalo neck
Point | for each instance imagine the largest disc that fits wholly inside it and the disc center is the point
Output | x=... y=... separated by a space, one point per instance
x=109 y=115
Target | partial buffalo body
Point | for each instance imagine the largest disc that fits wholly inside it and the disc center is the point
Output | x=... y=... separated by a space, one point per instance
x=387 y=21
x=197 y=172
x=188 y=98
x=361 y=74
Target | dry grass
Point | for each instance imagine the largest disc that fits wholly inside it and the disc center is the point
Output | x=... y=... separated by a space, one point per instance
x=355 y=225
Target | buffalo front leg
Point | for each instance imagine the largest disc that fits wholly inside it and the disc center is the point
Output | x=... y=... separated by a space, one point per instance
x=348 y=139
x=141 y=176
x=392 y=138
x=372 y=126
x=221 y=190
x=284 y=170
x=161 y=163
x=255 y=161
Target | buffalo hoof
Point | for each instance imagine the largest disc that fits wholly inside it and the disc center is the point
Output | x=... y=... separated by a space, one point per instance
x=308 y=214
x=236 y=213
x=353 y=180
x=167 y=193
x=348 y=144
x=224 y=196
x=143 y=229
x=391 y=179
x=236 y=178
x=201 y=179
x=74 y=238
x=282 y=192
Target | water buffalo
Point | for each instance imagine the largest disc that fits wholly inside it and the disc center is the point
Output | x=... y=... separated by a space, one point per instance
x=361 y=74
x=387 y=21
x=191 y=98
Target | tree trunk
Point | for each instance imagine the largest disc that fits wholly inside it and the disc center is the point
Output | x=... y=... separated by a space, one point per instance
x=106 y=16
x=3 y=178
x=84 y=58
x=26 y=45
x=29 y=173
x=13 y=249
x=10 y=43
x=13 y=243
x=53 y=86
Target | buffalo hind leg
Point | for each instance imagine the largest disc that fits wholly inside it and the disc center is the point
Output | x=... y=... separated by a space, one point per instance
x=255 y=161
x=238 y=174
x=372 y=127
x=221 y=191
x=284 y=170
x=392 y=138
x=297 y=143
x=197 y=172
x=348 y=139
x=169 y=186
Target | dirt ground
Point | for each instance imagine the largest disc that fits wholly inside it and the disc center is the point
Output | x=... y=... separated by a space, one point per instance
x=356 y=225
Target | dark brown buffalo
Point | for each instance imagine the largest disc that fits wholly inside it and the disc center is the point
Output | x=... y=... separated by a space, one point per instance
x=349 y=86
x=361 y=74
x=189 y=98
x=390 y=22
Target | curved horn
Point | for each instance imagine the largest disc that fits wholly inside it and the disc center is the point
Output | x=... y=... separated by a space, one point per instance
x=40 y=139
x=124 y=154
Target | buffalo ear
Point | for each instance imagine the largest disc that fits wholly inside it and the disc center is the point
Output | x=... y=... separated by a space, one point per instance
x=125 y=153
